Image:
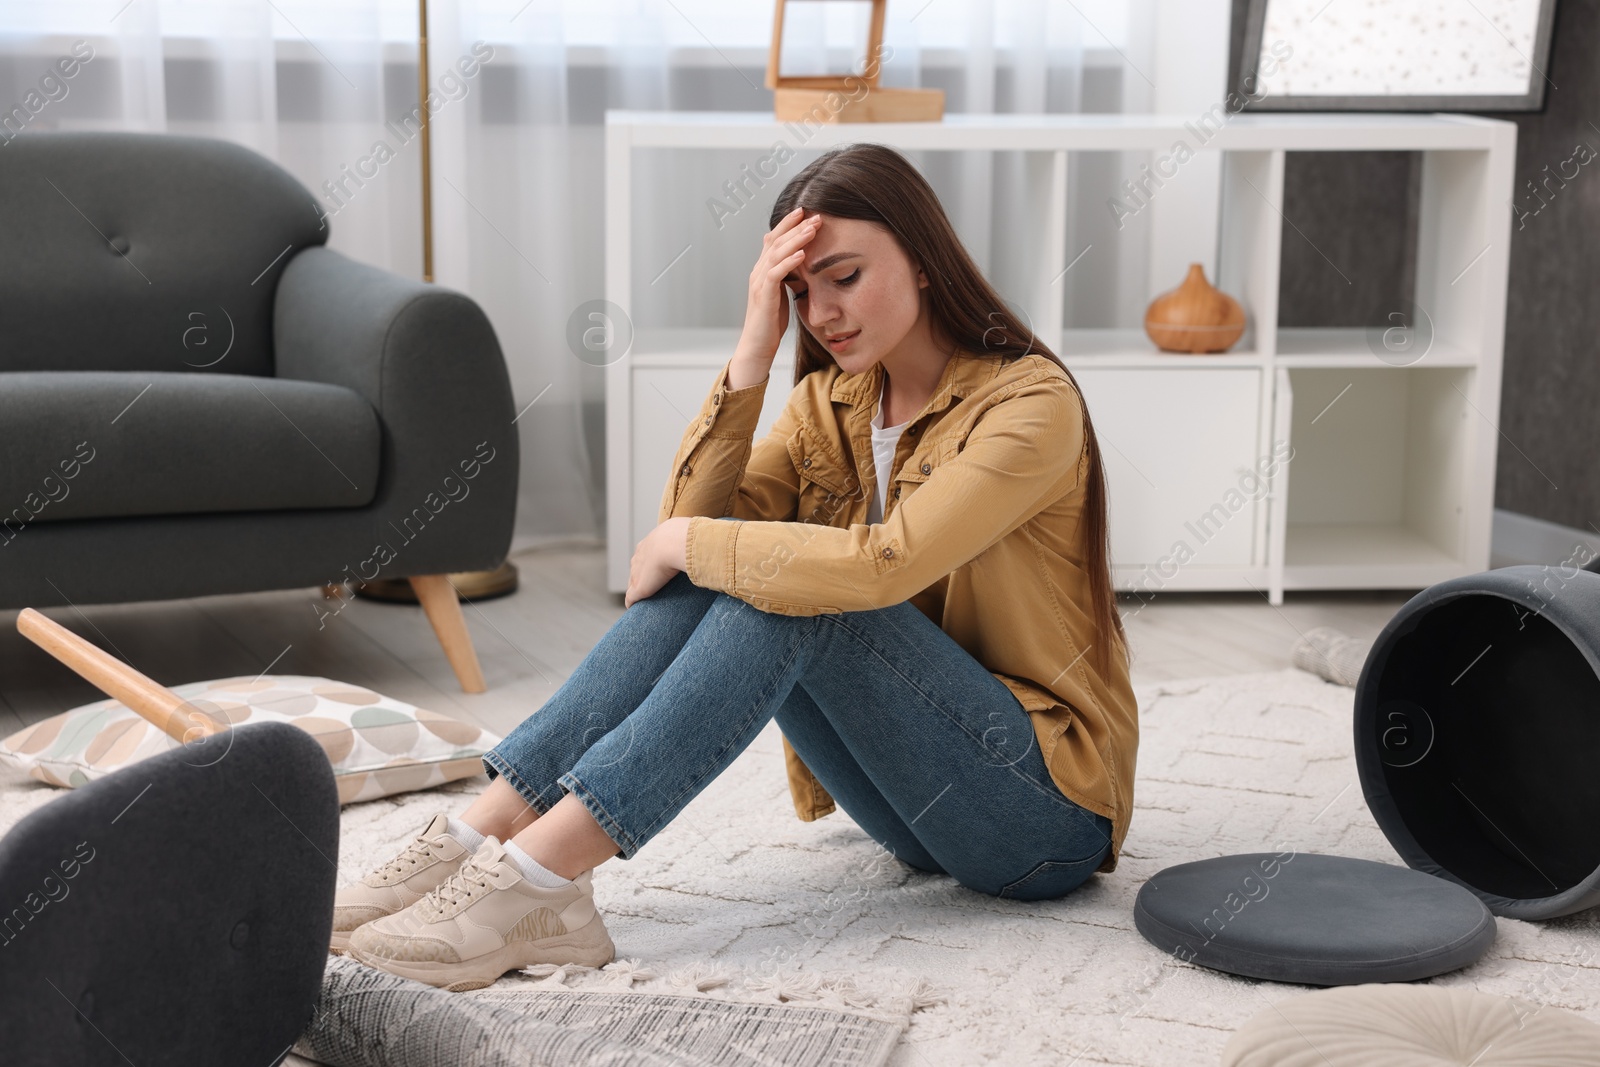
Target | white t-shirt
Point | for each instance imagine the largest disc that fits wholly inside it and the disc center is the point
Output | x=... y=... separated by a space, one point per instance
x=884 y=440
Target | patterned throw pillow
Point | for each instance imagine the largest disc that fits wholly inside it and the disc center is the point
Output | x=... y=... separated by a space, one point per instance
x=377 y=746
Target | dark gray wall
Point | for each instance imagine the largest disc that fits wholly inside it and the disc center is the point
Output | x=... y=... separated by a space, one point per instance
x=1339 y=269
x=1347 y=205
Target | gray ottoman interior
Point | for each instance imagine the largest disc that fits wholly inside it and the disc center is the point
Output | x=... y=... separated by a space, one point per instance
x=1477 y=734
x=174 y=912
x=1313 y=919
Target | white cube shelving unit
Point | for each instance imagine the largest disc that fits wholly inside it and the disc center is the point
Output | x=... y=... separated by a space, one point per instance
x=1391 y=480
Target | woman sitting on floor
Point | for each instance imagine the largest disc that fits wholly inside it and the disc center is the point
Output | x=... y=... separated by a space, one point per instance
x=909 y=573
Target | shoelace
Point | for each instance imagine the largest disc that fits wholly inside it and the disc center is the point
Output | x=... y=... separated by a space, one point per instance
x=416 y=852
x=459 y=888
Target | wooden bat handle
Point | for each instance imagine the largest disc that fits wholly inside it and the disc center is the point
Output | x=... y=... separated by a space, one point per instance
x=171 y=713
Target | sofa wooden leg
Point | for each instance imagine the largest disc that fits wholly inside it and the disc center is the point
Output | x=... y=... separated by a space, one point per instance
x=438 y=598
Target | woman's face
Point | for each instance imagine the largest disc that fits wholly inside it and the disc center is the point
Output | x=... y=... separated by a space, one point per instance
x=856 y=291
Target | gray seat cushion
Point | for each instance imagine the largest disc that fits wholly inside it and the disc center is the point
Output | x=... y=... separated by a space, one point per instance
x=1313 y=919
x=173 y=912
x=105 y=444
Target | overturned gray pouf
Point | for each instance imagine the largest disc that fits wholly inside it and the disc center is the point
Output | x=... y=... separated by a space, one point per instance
x=1411 y=1026
x=1477 y=729
x=1312 y=919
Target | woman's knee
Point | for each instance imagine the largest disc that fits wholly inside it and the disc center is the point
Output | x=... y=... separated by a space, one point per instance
x=680 y=590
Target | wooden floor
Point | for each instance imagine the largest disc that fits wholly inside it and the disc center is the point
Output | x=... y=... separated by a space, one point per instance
x=531 y=641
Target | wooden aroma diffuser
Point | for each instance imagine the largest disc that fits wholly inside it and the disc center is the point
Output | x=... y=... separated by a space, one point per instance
x=826 y=98
x=1195 y=317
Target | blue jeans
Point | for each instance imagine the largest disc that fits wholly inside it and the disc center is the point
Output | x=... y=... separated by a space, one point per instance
x=925 y=749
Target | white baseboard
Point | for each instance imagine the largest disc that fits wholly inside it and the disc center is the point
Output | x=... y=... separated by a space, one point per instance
x=1517 y=539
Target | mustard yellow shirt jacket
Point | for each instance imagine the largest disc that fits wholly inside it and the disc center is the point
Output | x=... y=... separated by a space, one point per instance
x=982 y=531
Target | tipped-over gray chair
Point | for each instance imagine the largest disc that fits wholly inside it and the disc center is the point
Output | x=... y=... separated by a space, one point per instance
x=176 y=911
x=196 y=397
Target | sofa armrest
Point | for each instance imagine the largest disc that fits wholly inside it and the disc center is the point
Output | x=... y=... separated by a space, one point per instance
x=426 y=358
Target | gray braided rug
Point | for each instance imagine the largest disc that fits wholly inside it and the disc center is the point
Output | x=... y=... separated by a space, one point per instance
x=369 y=1018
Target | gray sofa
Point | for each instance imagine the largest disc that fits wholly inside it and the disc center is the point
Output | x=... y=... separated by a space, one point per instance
x=197 y=397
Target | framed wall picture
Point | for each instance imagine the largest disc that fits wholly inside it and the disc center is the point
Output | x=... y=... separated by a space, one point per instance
x=1396 y=55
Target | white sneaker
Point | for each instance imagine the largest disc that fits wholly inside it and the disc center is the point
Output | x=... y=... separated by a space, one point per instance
x=431 y=857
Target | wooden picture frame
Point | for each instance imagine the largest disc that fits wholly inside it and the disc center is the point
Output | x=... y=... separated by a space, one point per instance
x=827 y=98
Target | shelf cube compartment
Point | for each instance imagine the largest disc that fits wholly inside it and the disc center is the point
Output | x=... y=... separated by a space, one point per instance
x=1418 y=285
x=1378 y=478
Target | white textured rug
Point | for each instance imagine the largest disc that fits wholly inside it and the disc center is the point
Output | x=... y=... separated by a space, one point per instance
x=739 y=898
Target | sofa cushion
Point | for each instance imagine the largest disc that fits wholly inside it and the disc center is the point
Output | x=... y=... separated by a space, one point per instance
x=146 y=251
x=106 y=444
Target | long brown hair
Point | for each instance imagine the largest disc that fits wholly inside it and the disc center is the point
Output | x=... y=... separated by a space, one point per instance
x=874 y=183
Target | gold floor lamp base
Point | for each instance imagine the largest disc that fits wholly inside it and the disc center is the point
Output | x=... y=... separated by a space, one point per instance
x=471 y=585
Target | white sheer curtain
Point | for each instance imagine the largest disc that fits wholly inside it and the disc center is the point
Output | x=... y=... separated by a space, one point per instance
x=518 y=149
